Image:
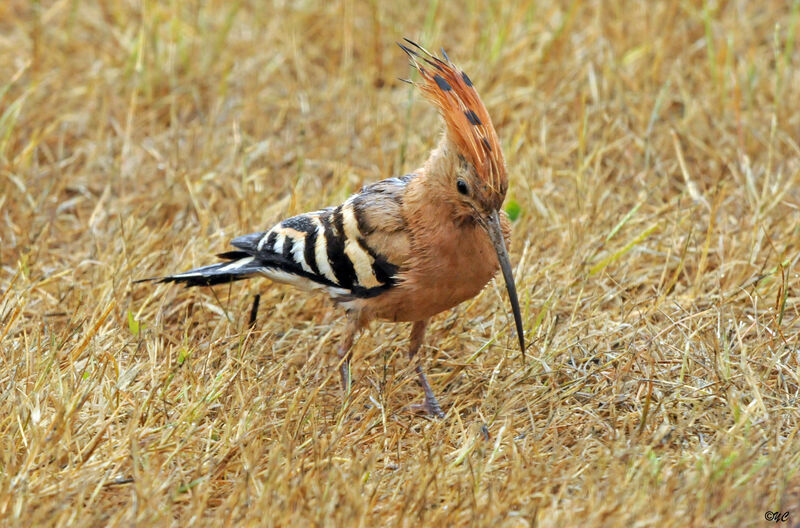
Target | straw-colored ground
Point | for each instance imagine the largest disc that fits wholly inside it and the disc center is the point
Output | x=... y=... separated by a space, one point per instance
x=653 y=152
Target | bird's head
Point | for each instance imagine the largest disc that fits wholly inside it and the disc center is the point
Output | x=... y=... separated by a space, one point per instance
x=475 y=183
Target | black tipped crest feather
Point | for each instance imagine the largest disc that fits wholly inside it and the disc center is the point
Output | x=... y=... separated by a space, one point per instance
x=466 y=118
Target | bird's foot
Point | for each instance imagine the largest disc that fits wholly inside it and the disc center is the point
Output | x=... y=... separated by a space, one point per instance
x=430 y=407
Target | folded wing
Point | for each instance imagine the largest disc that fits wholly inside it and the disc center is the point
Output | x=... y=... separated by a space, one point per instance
x=355 y=250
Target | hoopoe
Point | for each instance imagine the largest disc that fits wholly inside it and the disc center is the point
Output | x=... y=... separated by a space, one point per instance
x=401 y=249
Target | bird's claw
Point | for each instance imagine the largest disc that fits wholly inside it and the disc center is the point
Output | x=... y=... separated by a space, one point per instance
x=429 y=407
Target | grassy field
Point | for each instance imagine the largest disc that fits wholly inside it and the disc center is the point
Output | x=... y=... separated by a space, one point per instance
x=653 y=151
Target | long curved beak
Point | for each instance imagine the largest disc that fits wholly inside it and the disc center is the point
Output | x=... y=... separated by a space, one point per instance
x=492 y=226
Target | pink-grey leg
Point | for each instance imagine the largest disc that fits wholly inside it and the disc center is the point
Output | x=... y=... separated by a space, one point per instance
x=431 y=405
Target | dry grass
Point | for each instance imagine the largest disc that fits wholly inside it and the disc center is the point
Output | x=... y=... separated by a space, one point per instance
x=653 y=151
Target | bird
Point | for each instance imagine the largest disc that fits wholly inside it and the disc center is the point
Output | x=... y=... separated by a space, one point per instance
x=402 y=249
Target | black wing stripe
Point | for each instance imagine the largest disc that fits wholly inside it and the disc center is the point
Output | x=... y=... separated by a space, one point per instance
x=309 y=250
x=270 y=245
x=383 y=269
x=334 y=238
x=288 y=245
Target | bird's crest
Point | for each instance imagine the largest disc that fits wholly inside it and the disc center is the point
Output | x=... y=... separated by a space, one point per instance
x=468 y=123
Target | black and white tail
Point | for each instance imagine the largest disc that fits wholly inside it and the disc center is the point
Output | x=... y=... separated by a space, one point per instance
x=239 y=265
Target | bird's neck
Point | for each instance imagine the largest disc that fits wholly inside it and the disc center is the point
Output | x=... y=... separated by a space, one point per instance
x=431 y=195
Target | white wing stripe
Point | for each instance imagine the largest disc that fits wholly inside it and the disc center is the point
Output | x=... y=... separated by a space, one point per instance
x=236 y=264
x=362 y=261
x=278 y=247
x=298 y=254
x=321 y=252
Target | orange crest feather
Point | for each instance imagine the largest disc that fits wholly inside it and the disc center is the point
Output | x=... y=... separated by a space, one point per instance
x=468 y=123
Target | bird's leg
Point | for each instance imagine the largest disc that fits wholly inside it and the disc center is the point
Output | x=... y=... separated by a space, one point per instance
x=345 y=353
x=431 y=405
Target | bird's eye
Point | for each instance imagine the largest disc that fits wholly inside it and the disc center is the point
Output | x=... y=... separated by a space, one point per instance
x=461 y=185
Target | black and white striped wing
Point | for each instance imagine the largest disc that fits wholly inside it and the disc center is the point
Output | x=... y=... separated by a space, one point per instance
x=354 y=250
